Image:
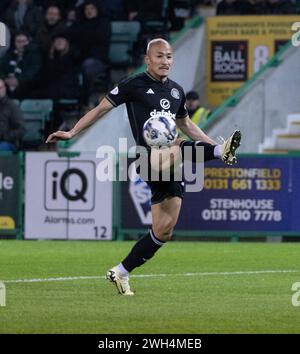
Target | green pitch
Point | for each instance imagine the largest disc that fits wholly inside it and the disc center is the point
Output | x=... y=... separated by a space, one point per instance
x=190 y=287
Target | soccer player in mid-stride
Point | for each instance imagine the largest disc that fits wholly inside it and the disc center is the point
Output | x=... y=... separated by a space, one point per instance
x=145 y=93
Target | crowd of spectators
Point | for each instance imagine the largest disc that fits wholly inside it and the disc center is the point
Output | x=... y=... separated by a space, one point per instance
x=53 y=41
x=59 y=49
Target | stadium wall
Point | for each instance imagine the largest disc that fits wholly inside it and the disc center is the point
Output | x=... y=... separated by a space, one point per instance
x=265 y=106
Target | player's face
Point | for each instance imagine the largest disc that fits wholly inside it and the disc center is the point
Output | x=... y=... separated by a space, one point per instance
x=159 y=60
x=21 y=41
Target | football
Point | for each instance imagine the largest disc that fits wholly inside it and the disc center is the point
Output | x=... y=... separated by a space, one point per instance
x=159 y=131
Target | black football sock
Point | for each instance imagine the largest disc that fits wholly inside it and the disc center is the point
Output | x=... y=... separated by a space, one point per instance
x=208 y=150
x=143 y=250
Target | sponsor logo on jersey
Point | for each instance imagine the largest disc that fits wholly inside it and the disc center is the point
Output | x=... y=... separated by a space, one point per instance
x=115 y=91
x=163 y=113
x=150 y=91
x=175 y=93
x=165 y=104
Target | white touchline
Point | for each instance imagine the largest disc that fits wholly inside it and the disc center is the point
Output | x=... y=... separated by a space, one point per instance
x=40 y=280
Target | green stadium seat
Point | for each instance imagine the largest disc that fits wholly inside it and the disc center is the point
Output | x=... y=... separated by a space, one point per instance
x=119 y=53
x=16 y=102
x=35 y=126
x=155 y=26
x=37 y=106
x=124 y=34
x=129 y=28
x=36 y=113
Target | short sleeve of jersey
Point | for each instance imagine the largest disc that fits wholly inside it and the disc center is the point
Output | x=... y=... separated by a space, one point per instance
x=182 y=111
x=121 y=93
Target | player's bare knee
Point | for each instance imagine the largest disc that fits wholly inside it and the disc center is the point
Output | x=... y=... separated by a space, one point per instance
x=164 y=231
x=165 y=235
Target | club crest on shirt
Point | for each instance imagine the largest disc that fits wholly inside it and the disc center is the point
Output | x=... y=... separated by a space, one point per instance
x=115 y=91
x=175 y=93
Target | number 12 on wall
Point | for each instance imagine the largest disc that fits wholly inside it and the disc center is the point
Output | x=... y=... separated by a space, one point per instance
x=100 y=231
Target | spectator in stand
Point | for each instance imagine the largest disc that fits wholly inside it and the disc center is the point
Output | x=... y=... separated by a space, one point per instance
x=229 y=7
x=144 y=10
x=3 y=7
x=53 y=24
x=74 y=12
x=253 y=7
x=92 y=36
x=115 y=10
x=11 y=122
x=20 y=66
x=179 y=11
x=279 y=7
x=60 y=71
x=59 y=77
x=23 y=15
x=197 y=113
x=155 y=12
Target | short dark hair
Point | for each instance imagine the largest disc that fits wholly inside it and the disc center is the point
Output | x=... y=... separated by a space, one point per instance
x=22 y=33
x=192 y=95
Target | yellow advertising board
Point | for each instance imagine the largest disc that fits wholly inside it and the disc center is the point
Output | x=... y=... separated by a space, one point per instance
x=237 y=48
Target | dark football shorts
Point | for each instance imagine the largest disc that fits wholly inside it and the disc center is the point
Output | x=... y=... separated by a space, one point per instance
x=161 y=189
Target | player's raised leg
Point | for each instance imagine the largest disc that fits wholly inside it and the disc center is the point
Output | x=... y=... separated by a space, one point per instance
x=226 y=151
x=162 y=159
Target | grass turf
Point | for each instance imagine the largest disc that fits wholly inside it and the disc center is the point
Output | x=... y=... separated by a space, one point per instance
x=177 y=303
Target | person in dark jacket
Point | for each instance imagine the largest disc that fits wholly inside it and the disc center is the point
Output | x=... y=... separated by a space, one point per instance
x=279 y=7
x=11 y=122
x=20 y=66
x=229 y=7
x=4 y=4
x=253 y=7
x=53 y=24
x=59 y=78
x=60 y=72
x=23 y=15
x=92 y=36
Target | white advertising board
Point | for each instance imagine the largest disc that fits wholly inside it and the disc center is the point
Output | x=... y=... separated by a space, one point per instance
x=64 y=200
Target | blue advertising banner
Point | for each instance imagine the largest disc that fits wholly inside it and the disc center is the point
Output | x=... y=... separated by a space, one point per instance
x=258 y=194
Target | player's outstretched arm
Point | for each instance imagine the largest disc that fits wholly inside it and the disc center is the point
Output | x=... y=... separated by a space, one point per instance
x=87 y=120
x=189 y=128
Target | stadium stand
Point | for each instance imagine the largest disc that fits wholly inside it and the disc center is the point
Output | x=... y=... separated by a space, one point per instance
x=124 y=35
x=36 y=112
x=283 y=140
x=131 y=27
